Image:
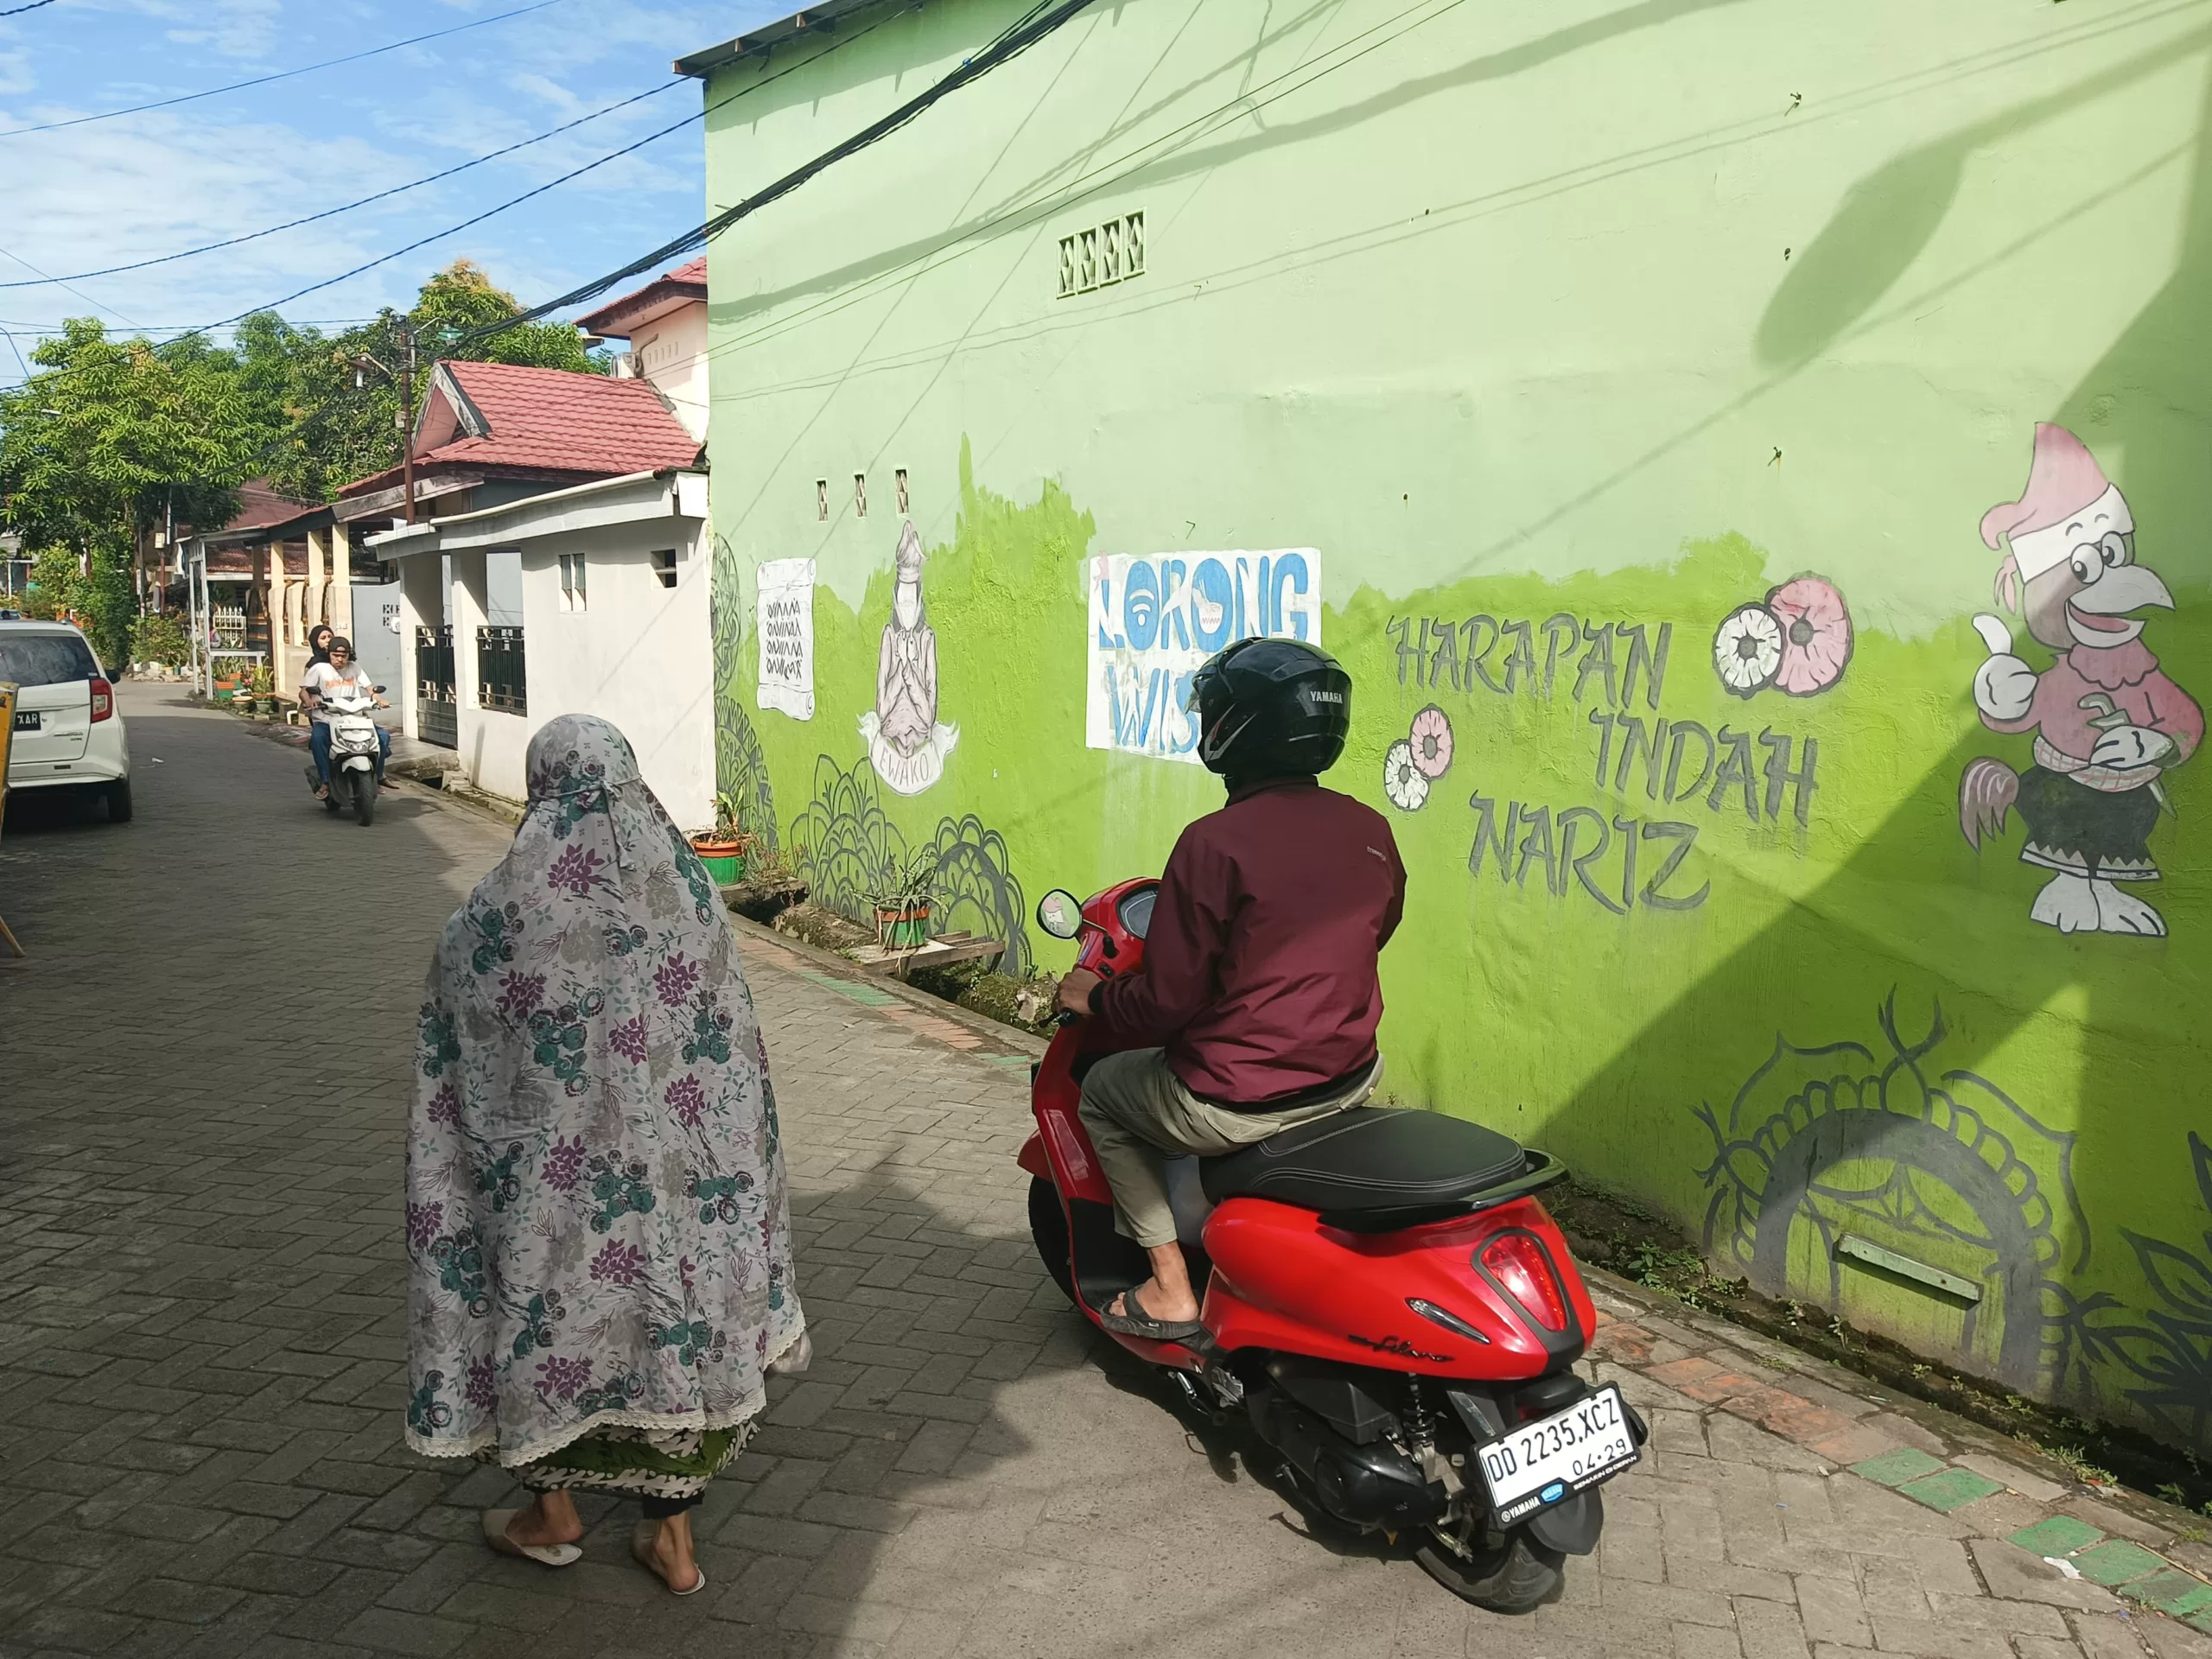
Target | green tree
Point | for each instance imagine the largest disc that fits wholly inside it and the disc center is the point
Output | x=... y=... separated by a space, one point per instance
x=332 y=423
x=105 y=439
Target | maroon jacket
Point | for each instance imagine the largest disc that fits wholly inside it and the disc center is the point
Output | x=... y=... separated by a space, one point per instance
x=1259 y=967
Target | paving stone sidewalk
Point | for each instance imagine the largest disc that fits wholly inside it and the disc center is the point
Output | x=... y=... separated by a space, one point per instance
x=201 y=1355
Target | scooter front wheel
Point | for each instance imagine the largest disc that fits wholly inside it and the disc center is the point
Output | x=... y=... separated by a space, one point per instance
x=1516 y=1576
x=1048 y=1226
x=365 y=798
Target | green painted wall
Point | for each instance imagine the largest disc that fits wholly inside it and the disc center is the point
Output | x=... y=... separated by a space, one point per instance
x=1603 y=320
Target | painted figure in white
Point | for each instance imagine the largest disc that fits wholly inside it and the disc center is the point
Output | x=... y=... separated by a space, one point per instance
x=906 y=743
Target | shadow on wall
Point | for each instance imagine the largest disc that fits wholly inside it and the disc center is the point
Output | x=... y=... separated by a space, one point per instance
x=1889 y=1127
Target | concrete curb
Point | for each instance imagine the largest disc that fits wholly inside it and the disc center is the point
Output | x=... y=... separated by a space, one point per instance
x=830 y=964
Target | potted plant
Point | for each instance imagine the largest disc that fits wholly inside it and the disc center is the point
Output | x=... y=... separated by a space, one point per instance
x=721 y=849
x=902 y=907
x=264 y=686
x=227 y=684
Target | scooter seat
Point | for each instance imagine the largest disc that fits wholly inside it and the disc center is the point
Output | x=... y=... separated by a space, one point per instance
x=1368 y=1159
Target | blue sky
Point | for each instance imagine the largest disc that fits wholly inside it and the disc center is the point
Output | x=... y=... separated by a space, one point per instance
x=109 y=192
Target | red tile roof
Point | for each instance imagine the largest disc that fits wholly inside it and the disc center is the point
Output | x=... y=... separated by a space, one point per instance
x=549 y=420
x=260 y=504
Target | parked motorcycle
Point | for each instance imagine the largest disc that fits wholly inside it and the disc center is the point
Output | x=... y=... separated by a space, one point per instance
x=1383 y=1296
x=352 y=753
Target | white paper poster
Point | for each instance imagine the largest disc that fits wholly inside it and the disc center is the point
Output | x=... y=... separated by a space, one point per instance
x=786 y=630
x=1156 y=616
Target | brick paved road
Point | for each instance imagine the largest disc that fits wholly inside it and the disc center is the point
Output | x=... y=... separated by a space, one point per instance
x=200 y=1341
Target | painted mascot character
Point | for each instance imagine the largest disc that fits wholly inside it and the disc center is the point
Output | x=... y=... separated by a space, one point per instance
x=2109 y=723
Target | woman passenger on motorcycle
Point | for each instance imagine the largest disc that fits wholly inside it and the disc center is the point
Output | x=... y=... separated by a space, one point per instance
x=339 y=670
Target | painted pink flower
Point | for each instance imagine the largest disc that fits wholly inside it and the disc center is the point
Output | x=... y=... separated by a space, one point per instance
x=1432 y=742
x=629 y=1039
x=688 y=1097
x=1816 y=635
x=423 y=1221
x=445 y=1105
x=563 y=1377
x=619 y=1264
x=482 y=1388
x=576 y=870
x=519 y=993
x=565 y=1165
x=674 y=979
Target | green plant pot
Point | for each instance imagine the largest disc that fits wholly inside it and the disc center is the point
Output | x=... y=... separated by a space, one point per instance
x=224 y=693
x=903 y=930
x=724 y=863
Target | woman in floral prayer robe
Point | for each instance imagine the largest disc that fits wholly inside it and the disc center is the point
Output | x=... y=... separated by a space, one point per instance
x=596 y=1216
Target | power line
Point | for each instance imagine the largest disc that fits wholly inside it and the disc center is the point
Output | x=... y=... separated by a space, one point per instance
x=452 y=230
x=347 y=207
x=836 y=44
x=85 y=297
x=1010 y=44
x=282 y=74
x=17 y=11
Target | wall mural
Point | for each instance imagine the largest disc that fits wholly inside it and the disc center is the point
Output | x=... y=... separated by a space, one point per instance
x=1842 y=1141
x=2166 y=1349
x=1418 y=760
x=1797 y=641
x=1155 y=618
x=849 y=850
x=1576 y=851
x=2107 y=722
x=786 y=604
x=907 y=742
x=741 y=769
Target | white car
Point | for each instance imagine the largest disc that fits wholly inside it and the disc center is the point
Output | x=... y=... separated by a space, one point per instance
x=68 y=733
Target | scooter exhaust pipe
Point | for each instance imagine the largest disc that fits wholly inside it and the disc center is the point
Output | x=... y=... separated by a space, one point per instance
x=1367 y=1485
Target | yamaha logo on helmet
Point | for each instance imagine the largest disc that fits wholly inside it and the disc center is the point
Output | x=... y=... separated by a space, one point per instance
x=1313 y=696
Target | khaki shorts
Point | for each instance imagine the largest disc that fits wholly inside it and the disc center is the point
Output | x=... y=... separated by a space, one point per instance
x=1139 y=1114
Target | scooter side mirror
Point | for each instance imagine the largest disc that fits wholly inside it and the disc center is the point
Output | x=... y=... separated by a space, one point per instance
x=382 y=689
x=1060 y=914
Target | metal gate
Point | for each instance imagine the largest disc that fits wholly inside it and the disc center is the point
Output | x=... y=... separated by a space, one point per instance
x=438 y=715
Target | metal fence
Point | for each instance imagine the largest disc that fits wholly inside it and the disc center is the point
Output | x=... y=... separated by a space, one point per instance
x=499 y=677
x=437 y=714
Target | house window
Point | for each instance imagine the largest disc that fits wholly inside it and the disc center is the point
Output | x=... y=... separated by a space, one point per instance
x=822 y=500
x=664 y=566
x=899 y=483
x=860 y=495
x=572 y=582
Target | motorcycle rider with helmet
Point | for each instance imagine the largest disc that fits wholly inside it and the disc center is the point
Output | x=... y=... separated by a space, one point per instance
x=1260 y=989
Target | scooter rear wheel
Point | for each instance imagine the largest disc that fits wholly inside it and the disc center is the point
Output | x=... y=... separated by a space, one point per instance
x=1516 y=1578
x=1048 y=1226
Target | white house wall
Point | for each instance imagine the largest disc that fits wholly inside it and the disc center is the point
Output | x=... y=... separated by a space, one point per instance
x=638 y=654
x=671 y=353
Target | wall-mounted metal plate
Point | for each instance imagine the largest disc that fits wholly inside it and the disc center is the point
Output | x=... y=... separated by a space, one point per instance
x=1905 y=1267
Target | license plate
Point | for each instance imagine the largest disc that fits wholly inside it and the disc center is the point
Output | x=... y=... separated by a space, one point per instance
x=1549 y=1461
x=26 y=720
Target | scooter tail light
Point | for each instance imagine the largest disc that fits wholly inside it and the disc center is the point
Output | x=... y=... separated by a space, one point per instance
x=103 y=699
x=1517 y=1262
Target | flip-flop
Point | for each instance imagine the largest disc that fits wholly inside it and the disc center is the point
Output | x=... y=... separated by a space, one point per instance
x=495 y=1533
x=1138 y=1323
x=641 y=1546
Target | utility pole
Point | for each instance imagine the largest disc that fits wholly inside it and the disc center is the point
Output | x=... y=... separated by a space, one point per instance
x=405 y=418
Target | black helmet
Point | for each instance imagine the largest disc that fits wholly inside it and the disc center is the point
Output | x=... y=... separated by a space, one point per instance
x=1270 y=708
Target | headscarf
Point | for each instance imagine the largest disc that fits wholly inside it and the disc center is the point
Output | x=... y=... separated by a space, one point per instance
x=319 y=653
x=596 y=1213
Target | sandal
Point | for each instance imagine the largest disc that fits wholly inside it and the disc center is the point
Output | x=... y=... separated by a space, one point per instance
x=641 y=1546
x=495 y=1533
x=1138 y=1323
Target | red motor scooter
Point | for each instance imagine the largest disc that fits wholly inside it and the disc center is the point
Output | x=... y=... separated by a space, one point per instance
x=1382 y=1295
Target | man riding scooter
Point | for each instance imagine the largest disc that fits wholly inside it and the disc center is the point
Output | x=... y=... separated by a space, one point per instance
x=338 y=669
x=1260 y=983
